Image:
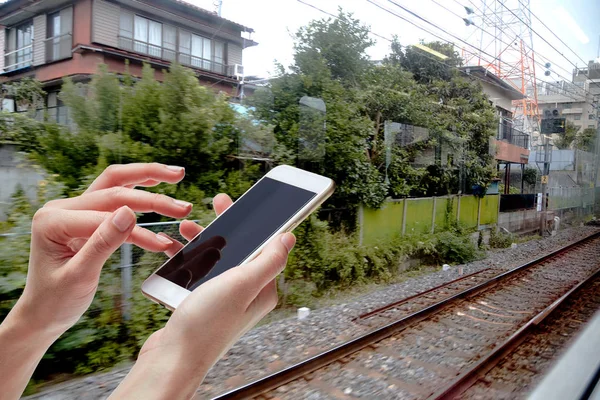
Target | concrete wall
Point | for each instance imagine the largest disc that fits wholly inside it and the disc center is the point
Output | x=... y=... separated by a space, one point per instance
x=14 y=171
x=497 y=96
x=519 y=221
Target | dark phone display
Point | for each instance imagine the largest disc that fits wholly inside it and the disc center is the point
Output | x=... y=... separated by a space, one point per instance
x=236 y=234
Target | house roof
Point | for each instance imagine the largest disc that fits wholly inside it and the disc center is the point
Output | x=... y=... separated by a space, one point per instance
x=26 y=6
x=487 y=76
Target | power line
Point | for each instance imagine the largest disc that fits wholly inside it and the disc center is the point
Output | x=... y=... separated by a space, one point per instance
x=334 y=16
x=446 y=40
x=540 y=36
x=512 y=32
x=450 y=34
x=423 y=54
x=543 y=57
x=555 y=35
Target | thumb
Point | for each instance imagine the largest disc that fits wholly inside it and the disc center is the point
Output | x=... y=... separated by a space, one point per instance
x=105 y=240
x=264 y=268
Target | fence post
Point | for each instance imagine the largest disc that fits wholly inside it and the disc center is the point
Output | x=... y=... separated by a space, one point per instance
x=361 y=221
x=479 y=214
x=433 y=215
x=126 y=262
x=404 y=216
x=458 y=209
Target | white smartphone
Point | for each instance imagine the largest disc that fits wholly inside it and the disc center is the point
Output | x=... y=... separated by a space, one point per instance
x=277 y=203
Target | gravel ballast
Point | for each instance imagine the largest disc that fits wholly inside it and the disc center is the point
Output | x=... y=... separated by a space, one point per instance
x=271 y=347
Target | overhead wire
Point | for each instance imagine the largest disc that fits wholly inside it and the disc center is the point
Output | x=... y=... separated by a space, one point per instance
x=424 y=54
x=445 y=39
x=334 y=16
x=537 y=53
x=507 y=44
x=541 y=37
x=450 y=34
x=555 y=35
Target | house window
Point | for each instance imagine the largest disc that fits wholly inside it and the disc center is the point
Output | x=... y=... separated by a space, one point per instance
x=590 y=116
x=143 y=35
x=577 y=117
x=19 y=51
x=591 y=126
x=140 y=34
x=57 y=110
x=59 y=41
x=169 y=42
x=147 y=36
x=201 y=52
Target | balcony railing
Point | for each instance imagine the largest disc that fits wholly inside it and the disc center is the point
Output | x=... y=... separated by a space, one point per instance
x=507 y=133
x=59 y=47
x=164 y=53
x=19 y=58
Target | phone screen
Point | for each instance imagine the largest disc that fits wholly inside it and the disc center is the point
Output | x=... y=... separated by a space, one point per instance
x=236 y=234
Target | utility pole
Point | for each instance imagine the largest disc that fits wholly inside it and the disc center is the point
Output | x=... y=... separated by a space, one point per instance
x=126 y=261
x=596 y=150
x=544 y=156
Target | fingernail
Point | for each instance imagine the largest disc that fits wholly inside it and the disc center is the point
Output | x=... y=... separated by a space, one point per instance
x=163 y=239
x=288 y=241
x=175 y=168
x=183 y=204
x=123 y=219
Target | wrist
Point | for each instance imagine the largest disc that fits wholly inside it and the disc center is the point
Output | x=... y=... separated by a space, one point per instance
x=24 y=320
x=161 y=374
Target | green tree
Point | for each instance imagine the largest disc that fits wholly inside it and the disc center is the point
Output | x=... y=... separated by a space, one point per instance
x=586 y=140
x=565 y=140
x=333 y=46
x=425 y=66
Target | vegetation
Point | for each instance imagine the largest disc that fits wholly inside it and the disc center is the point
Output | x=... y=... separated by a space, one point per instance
x=500 y=239
x=565 y=140
x=181 y=122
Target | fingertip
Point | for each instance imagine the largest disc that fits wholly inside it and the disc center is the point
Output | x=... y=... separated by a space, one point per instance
x=189 y=229
x=289 y=240
x=221 y=202
x=123 y=219
x=164 y=239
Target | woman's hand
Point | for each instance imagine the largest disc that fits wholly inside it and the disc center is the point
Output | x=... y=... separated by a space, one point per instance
x=72 y=239
x=175 y=359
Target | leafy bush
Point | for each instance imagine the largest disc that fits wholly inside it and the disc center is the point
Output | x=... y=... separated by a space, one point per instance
x=452 y=248
x=500 y=239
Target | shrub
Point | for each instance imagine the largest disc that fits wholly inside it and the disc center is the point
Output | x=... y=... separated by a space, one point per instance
x=500 y=239
x=452 y=248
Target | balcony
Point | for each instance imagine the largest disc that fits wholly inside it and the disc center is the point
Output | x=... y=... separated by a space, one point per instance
x=508 y=134
x=168 y=54
x=58 y=47
x=18 y=59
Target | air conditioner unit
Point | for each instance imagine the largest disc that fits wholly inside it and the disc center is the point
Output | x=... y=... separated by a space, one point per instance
x=237 y=71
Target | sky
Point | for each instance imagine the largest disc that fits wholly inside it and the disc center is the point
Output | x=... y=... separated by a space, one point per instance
x=275 y=20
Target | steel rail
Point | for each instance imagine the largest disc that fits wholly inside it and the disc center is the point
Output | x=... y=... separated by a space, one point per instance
x=407 y=299
x=345 y=349
x=489 y=361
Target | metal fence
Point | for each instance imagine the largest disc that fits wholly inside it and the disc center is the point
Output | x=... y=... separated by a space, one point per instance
x=560 y=198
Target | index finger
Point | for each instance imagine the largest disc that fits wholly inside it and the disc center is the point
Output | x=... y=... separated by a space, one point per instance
x=136 y=173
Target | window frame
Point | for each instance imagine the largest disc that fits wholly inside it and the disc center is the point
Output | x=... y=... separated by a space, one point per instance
x=58 y=44
x=22 y=57
x=176 y=43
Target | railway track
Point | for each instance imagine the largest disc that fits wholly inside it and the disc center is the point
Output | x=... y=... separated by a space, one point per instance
x=425 y=353
x=518 y=365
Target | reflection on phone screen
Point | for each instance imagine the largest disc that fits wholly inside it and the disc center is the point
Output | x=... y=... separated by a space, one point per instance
x=236 y=234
